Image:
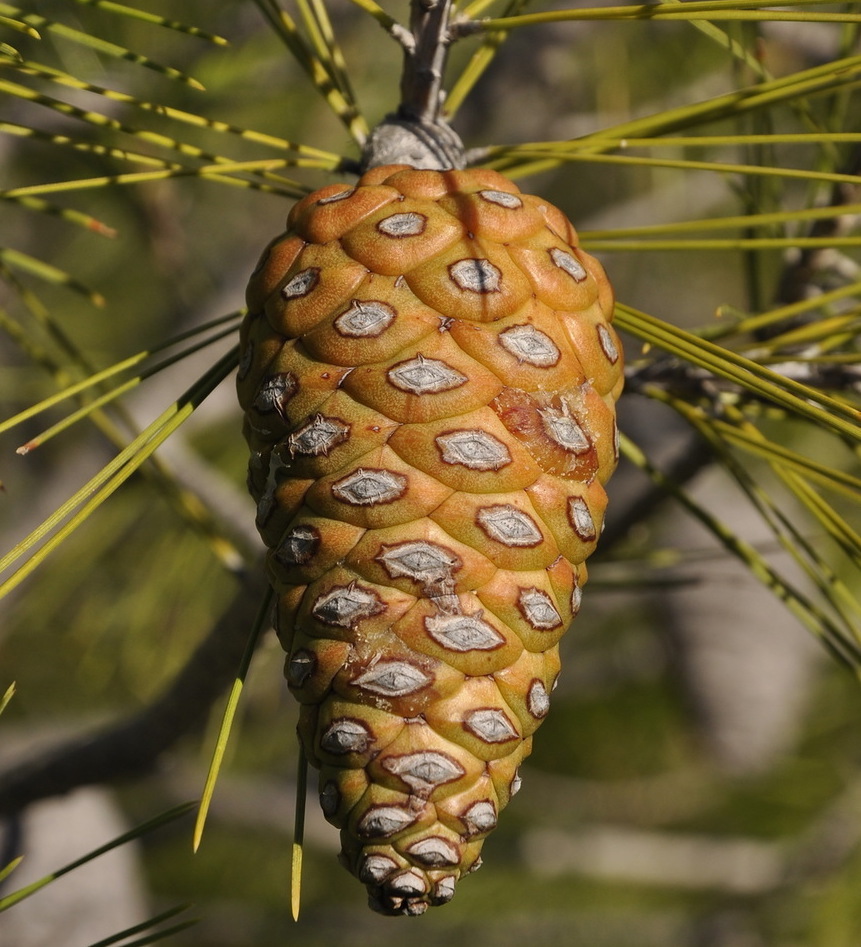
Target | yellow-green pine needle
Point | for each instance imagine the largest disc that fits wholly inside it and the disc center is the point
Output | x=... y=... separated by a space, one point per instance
x=762 y=381
x=836 y=526
x=75 y=217
x=113 y=50
x=745 y=10
x=754 y=323
x=184 y=501
x=137 y=14
x=298 y=834
x=842 y=645
x=10 y=693
x=19 y=27
x=260 y=622
x=836 y=74
x=715 y=141
x=338 y=65
x=169 y=816
x=147 y=925
x=91 y=496
x=8 y=869
x=9 y=52
x=480 y=60
x=41 y=314
x=725 y=41
x=102 y=121
x=288 y=32
x=23 y=338
x=476 y=9
x=47 y=272
x=319 y=46
x=827 y=333
x=109 y=396
x=725 y=223
x=728 y=243
x=221 y=172
x=752 y=441
x=784 y=527
x=133 y=360
x=179 y=115
x=386 y=20
x=473 y=71
x=560 y=156
x=90 y=147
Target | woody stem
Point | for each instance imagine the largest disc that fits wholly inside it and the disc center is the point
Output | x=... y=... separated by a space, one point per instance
x=424 y=64
x=416 y=134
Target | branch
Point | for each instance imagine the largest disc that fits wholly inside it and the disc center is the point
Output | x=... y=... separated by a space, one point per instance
x=131 y=747
x=416 y=134
x=424 y=65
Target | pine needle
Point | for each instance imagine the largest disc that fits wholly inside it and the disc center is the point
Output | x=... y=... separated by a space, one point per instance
x=842 y=645
x=796 y=398
x=288 y=32
x=146 y=925
x=735 y=10
x=260 y=622
x=146 y=17
x=112 y=50
x=145 y=827
x=175 y=114
x=7 y=870
x=70 y=215
x=480 y=61
x=4 y=700
x=504 y=155
x=228 y=166
x=298 y=834
x=97 y=378
x=86 y=410
x=836 y=74
x=19 y=27
x=47 y=272
x=64 y=520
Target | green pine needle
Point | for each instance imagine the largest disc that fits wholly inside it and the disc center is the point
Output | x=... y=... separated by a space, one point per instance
x=260 y=624
x=143 y=15
x=302 y=51
x=89 y=408
x=146 y=925
x=139 y=831
x=223 y=326
x=7 y=870
x=7 y=697
x=842 y=644
x=794 y=397
x=82 y=38
x=47 y=272
x=734 y=10
x=19 y=26
x=64 y=521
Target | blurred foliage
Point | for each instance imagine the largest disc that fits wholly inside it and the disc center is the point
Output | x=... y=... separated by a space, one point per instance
x=111 y=615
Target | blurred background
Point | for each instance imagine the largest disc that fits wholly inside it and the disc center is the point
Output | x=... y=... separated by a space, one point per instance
x=697 y=783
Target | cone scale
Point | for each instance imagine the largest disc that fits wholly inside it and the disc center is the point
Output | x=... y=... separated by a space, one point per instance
x=428 y=374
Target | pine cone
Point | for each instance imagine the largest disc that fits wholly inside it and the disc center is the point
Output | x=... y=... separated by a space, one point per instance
x=428 y=376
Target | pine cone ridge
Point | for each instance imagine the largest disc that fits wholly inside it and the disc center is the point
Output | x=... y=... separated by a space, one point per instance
x=428 y=375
